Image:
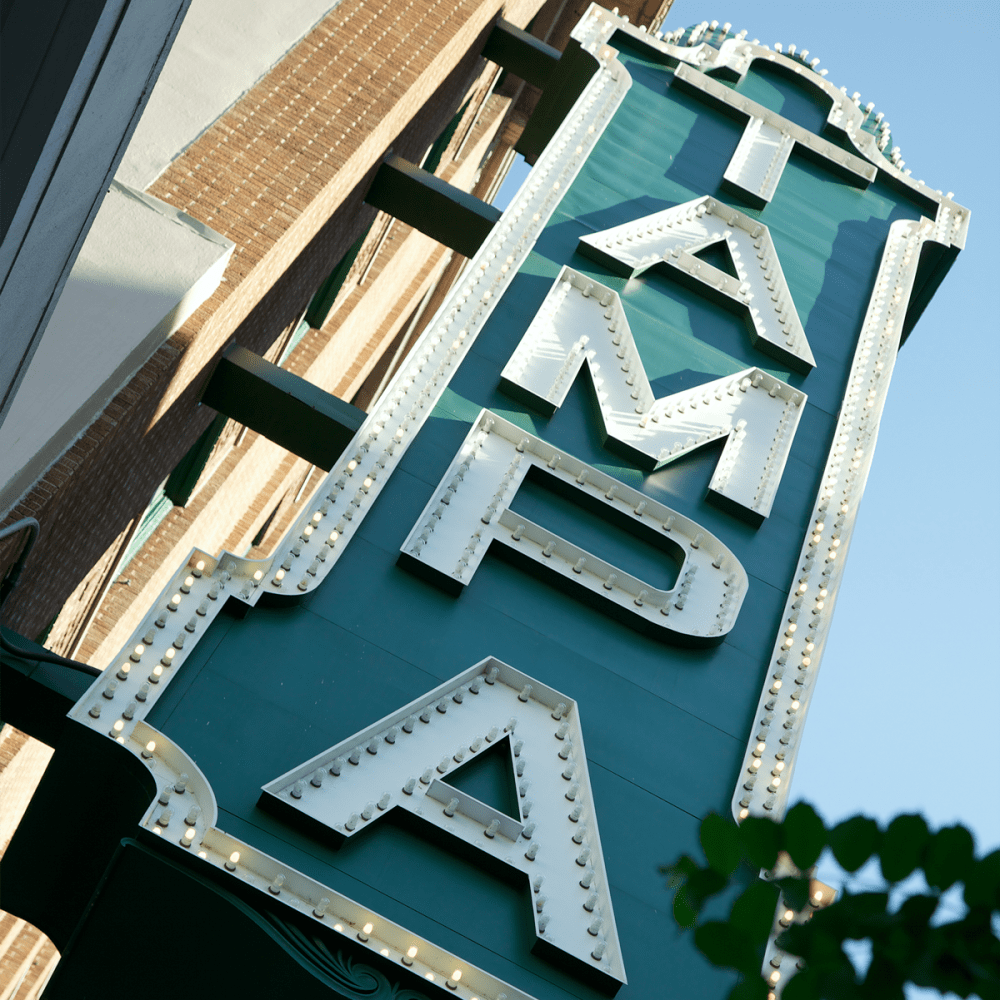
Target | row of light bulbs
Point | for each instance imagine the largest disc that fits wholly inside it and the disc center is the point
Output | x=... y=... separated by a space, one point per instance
x=842 y=475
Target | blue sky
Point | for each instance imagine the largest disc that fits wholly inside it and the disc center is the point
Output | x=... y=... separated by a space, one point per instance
x=905 y=713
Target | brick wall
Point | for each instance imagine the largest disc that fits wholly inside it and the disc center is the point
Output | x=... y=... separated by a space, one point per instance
x=283 y=174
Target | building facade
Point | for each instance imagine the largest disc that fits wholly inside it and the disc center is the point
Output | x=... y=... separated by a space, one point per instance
x=734 y=230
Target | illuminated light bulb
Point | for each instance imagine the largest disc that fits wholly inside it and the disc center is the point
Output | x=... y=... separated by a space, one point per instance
x=150 y=749
x=317 y=517
x=189 y=834
x=156 y=674
x=744 y=813
x=429 y=976
x=810 y=646
x=258 y=576
x=755 y=763
x=187 y=585
x=137 y=652
x=775 y=976
x=174 y=601
x=119 y=726
x=279 y=576
x=818 y=895
x=806 y=661
x=820 y=525
x=307 y=531
x=168 y=656
x=157 y=831
x=787 y=644
x=364 y=932
x=234 y=860
x=411 y=954
x=761 y=747
x=366 y=485
x=351 y=465
x=123 y=671
x=776 y=686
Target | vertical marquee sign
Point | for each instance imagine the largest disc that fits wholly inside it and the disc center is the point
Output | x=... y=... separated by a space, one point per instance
x=570 y=584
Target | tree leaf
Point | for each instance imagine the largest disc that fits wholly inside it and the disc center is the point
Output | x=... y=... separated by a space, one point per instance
x=982 y=887
x=948 y=856
x=720 y=842
x=680 y=871
x=760 y=840
x=727 y=946
x=700 y=885
x=805 y=835
x=753 y=911
x=751 y=988
x=684 y=913
x=795 y=891
x=854 y=841
x=883 y=980
x=902 y=846
x=805 y=985
x=860 y=915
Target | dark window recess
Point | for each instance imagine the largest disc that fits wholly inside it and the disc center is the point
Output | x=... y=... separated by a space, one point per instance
x=322 y=301
x=300 y=331
x=433 y=160
x=182 y=481
x=158 y=508
x=259 y=537
x=44 y=634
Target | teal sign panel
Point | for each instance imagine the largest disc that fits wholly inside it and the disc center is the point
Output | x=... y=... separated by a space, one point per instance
x=489 y=550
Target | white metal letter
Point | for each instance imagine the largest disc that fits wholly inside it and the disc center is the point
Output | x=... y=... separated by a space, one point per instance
x=673 y=237
x=470 y=510
x=404 y=760
x=583 y=322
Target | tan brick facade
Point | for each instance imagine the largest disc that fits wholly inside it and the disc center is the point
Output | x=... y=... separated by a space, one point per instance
x=283 y=174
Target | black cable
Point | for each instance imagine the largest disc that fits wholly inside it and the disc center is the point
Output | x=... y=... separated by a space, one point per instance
x=14 y=573
x=44 y=656
x=8 y=585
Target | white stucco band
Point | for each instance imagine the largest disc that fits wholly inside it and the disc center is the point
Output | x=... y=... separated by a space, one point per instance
x=222 y=49
x=144 y=268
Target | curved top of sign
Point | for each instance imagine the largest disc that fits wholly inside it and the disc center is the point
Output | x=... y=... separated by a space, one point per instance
x=720 y=56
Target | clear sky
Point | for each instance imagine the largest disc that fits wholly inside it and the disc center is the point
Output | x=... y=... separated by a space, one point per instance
x=906 y=712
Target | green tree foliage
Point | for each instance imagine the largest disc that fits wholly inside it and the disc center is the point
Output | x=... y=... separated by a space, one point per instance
x=908 y=946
